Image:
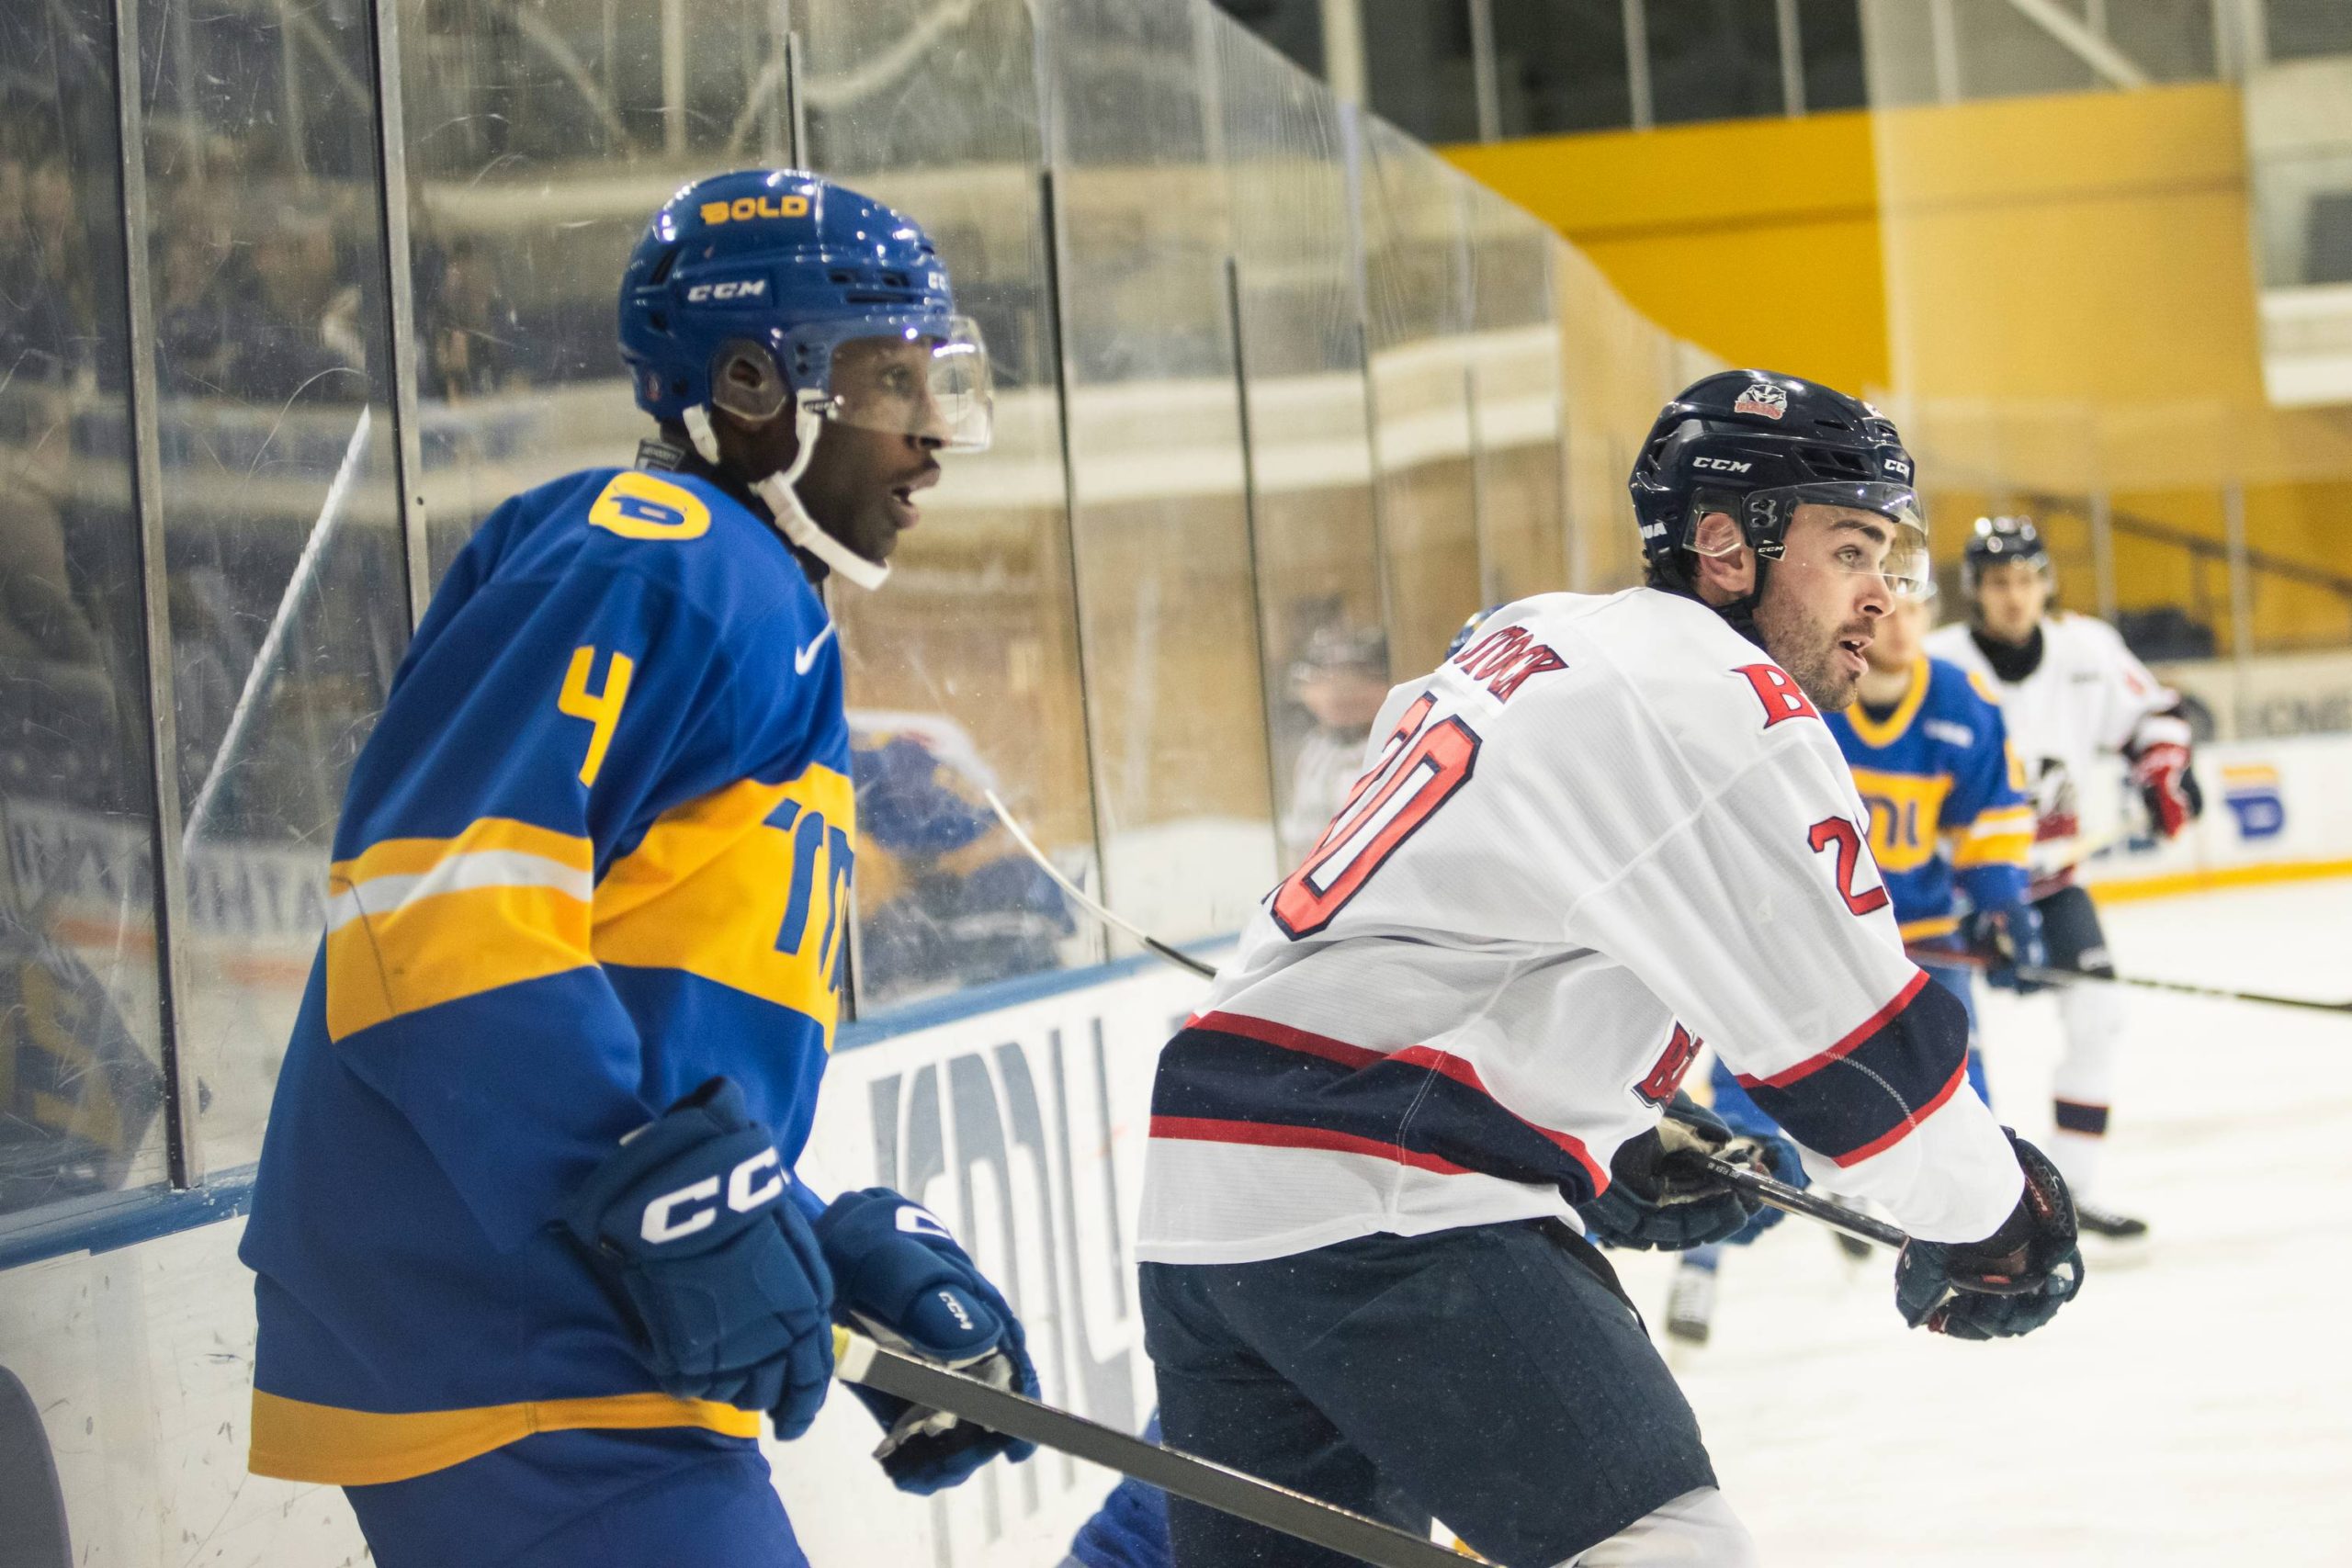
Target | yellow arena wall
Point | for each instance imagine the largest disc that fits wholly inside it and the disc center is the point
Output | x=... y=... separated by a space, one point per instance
x=2057 y=295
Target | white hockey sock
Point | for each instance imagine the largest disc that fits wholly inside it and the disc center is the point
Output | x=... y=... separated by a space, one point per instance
x=1697 y=1529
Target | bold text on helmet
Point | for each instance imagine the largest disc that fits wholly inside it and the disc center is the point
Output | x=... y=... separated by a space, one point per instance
x=745 y=208
x=1720 y=465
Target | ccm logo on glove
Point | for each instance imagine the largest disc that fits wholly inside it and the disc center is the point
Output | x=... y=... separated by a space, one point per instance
x=662 y=1222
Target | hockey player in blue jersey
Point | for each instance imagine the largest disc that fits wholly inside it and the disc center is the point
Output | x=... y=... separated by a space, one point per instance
x=532 y=1265
x=1950 y=828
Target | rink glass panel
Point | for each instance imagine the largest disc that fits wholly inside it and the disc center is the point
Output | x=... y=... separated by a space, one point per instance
x=1302 y=348
x=1167 y=612
x=963 y=670
x=282 y=544
x=1515 y=404
x=82 y=1088
x=539 y=139
x=1417 y=294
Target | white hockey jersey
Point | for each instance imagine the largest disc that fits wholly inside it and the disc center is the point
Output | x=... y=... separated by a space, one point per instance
x=1607 y=830
x=2087 y=696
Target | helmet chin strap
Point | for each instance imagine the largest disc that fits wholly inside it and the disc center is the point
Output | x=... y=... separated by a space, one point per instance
x=784 y=502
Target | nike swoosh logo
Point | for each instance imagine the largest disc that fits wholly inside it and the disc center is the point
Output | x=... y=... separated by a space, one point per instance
x=803 y=658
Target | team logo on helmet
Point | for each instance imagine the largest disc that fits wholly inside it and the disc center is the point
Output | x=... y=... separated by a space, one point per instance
x=1763 y=397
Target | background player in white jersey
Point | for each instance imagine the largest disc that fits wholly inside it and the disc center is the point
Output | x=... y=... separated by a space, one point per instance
x=1605 y=829
x=2071 y=693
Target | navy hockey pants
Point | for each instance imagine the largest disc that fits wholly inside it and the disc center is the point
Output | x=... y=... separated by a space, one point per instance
x=677 y=1497
x=1493 y=1376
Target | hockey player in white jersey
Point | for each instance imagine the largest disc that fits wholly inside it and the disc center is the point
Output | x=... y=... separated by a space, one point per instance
x=1607 y=828
x=2072 y=693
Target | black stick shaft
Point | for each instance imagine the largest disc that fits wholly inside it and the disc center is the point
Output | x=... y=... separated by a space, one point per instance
x=1794 y=1200
x=860 y=1360
x=2180 y=987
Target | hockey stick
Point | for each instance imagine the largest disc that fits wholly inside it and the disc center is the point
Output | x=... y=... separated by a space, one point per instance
x=2184 y=988
x=1795 y=1201
x=1087 y=901
x=860 y=1360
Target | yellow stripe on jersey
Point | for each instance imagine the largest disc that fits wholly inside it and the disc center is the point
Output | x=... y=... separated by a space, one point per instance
x=412 y=924
x=747 y=886
x=1904 y=808
x=1938 y=925
x=326 y=1444
x=2002 y=837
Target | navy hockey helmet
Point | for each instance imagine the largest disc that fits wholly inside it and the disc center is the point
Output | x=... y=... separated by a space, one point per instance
x=1995 y=540
x=1756 y=446
x=793 y=264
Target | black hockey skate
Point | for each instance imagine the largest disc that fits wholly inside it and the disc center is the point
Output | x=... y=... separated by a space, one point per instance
x=2108 y=1223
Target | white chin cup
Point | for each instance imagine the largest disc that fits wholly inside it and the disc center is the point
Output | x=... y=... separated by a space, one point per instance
x=784 y=502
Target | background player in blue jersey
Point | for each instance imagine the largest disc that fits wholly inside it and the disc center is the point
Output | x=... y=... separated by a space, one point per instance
x=533 y=1266
x=1950 y=828
x=946 y=897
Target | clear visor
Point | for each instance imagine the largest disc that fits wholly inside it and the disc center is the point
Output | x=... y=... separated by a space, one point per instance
x=916 y=382
x=1865 y=530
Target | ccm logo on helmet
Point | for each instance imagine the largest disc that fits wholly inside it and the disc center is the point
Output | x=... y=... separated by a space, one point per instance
x=1720 y=465
x=742 y=289
x=695 y=1206
x=743 y=208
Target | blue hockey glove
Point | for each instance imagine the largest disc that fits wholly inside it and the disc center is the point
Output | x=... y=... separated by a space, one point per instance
x=730 y=1293
x=905 y=1281
x=1656 y=1200
x=1771 y=1155
x=2008 y=938
x=2011 y=1282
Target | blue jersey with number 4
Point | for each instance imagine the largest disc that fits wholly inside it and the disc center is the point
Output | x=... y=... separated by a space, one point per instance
x=596 y=852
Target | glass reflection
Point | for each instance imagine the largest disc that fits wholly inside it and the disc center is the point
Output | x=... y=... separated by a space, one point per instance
x=81 y=1081
x=963 y=672
x=1174 y=697
x=1418 y=324
x=1515 y=404
x=282 y=544
x=1302 y=348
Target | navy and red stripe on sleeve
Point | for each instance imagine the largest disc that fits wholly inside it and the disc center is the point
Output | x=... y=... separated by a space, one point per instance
x=1889 y=1074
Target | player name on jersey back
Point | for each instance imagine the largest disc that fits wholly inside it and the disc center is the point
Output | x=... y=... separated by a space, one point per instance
x=1606 y=830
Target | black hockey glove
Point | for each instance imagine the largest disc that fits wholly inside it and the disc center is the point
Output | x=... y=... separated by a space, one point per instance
x=2011 y=1282
x=1661 y=1198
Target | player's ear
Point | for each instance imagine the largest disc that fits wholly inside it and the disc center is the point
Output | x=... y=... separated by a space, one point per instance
x=1723 y=566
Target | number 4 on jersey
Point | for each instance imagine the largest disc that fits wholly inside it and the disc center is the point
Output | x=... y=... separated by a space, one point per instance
x=1418 y=771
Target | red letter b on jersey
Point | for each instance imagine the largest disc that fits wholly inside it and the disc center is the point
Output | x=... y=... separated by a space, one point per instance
x=1778 y=692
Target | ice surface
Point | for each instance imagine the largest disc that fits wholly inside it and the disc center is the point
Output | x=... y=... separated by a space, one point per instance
x=2192 y=1405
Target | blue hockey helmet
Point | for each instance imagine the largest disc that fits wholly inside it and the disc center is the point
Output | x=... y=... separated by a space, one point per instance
x=1995 y=541
x=1754 y=445
x=747 y=287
